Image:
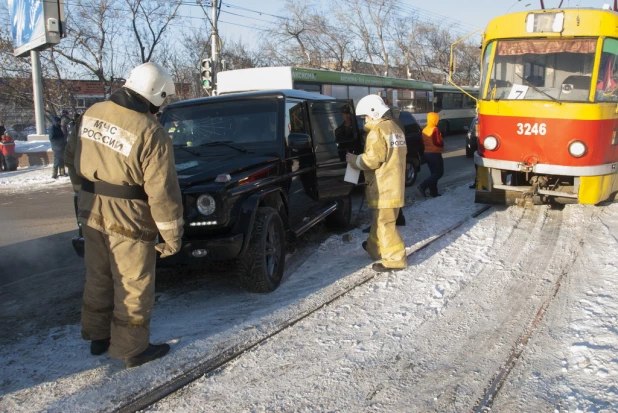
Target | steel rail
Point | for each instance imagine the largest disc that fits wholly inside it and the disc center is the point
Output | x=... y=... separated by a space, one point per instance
x=211 y=364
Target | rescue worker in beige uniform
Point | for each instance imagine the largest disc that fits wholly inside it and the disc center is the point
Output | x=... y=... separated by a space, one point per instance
x=384 y=165
x=121 y=163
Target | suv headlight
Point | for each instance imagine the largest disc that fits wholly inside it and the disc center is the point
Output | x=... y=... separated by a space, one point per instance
x=206 y=204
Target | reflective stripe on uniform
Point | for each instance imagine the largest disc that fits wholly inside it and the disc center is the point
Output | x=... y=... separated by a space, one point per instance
x=359 y=164
x=385 y=203
x=396 y=140
x=169 y=225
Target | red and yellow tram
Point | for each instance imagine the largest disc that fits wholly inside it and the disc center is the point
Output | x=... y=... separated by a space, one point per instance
x=548 y=108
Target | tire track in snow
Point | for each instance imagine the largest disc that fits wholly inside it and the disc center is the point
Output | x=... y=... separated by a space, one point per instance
x=458 y=352
x=216 y=361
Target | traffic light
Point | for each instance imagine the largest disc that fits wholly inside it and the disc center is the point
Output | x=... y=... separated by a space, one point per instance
x=206 y=72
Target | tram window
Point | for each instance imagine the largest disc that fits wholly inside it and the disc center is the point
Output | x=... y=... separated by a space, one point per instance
x=486 y=59
x=607 y=83
x=539 y=69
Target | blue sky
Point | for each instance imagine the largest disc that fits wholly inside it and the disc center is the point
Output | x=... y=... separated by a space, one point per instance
x=462 y=16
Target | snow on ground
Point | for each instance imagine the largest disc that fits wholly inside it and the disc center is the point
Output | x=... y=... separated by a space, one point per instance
x=29 y=179
x=32 y=146
x=429 y=338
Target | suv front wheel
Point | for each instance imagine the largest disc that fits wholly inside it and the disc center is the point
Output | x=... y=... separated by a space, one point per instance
x=260 y=268
x=413 y=164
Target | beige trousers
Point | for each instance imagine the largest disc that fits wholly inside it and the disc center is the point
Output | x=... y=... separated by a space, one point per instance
x=384 y=240
x=119 y=292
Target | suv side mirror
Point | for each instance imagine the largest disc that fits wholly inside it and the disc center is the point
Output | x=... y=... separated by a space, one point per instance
x=299 y=141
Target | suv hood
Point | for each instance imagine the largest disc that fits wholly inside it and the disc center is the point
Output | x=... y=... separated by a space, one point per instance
x=198 y=171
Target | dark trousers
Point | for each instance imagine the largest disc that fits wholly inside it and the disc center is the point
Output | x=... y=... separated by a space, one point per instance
x=58 y=149
x=436 y=170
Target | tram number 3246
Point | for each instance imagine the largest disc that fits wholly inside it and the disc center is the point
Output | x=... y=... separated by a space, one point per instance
x=529 y=129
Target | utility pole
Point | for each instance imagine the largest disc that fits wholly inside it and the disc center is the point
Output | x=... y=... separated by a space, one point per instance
x=214 y=46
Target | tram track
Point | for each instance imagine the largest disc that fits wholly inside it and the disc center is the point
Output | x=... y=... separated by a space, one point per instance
x=220 y=359
x=495 y=385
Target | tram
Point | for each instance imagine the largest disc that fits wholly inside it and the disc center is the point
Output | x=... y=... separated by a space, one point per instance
x=548 y=108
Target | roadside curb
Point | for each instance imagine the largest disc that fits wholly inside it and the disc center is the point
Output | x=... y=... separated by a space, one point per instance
x=43 y=158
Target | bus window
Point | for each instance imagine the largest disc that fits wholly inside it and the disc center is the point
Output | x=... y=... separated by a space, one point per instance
x=375 y=90
x=468 y=102
x=406 y=101
x=339 y=91
x=607 y=82
x=308 y=87
x=357 y=93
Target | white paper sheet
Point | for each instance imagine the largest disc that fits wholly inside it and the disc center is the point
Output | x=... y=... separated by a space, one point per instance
x=351 y=175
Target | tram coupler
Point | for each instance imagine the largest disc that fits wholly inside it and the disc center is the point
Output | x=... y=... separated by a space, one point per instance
x=527 y=200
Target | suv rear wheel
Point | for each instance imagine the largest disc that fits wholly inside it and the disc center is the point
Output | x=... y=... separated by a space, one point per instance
x=260 y=268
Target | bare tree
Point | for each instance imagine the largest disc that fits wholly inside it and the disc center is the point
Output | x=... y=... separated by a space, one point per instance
x=369 y=20
x=92 y=40
x=149 y=20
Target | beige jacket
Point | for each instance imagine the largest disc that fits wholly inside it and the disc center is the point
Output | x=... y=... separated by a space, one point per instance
x=121 y=146
x=384 y=164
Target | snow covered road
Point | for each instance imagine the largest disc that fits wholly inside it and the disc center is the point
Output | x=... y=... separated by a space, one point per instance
x=431 y=338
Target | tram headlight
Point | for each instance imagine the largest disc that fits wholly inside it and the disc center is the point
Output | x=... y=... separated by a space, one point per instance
x=490 y=143
x=206 y=204
x=577 y=149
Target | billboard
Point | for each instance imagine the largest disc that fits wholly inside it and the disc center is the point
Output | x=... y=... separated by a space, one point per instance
x=36 y=24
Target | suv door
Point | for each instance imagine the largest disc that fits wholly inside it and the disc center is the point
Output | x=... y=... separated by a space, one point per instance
x=335 y=132
x=300 y=164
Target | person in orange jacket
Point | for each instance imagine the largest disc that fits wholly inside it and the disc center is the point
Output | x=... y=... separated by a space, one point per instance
x=432 y=138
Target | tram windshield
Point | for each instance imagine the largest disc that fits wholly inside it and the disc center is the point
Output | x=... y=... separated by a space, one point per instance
x=538 y=69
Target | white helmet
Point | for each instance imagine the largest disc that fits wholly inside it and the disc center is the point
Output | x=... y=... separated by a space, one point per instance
x=372 y=106
x=152 y=82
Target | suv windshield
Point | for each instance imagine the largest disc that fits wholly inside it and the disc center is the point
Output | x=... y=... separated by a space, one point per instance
x=232 y=124
x=556 y=70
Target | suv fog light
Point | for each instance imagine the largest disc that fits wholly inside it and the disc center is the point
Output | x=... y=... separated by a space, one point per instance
x=577 y=149
x=199 y=253
x=490 y=143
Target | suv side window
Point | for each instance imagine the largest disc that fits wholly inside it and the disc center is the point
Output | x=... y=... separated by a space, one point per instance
x=334 y=130
x=295 y=117
x=410 y=124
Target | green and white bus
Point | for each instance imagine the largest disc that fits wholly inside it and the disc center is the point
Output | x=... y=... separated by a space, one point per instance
x=456 y=109
x=409 y=95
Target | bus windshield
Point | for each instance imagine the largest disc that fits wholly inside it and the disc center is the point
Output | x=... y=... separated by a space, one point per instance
x=538 y=69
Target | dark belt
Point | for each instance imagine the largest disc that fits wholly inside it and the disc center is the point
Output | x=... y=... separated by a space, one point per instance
x=114 y=191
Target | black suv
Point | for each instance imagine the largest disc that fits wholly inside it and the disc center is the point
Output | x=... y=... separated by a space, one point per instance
x=472 y=140
x=257 y=169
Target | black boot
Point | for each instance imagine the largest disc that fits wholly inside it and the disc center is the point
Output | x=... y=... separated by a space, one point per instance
x=378 y=267
x=55 y=173
x=98 y=347
x=153 y=352
x=401 y=220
